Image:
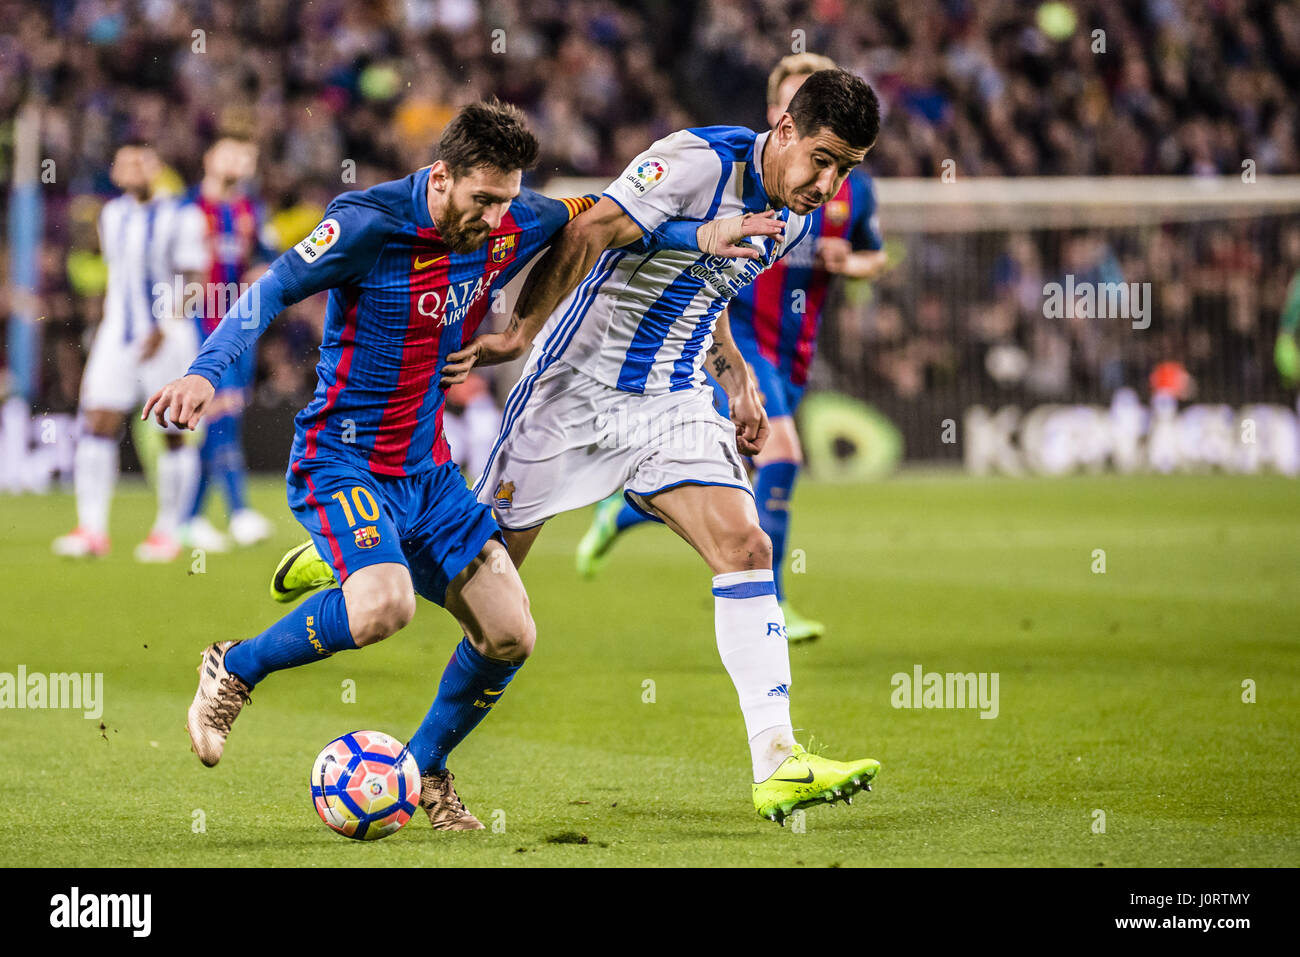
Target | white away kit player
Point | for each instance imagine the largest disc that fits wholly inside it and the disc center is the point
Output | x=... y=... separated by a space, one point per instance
x=614 y=397
x=141 y=344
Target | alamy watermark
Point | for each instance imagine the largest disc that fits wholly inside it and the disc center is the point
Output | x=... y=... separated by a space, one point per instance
x=128 y=911
x=675 y=430
x=82 y=691
x=1098 y=300
x=930 y=689
x=192 y=300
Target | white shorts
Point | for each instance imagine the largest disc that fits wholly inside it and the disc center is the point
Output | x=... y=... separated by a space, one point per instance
x=117 y=379
x=568 y=441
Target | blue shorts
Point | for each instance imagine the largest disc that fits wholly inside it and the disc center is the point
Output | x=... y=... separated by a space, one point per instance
x=428 y=522
x=780 y=395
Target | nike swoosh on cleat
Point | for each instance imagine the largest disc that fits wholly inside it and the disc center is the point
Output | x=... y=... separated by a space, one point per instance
x=807 y=780
x=283 y=570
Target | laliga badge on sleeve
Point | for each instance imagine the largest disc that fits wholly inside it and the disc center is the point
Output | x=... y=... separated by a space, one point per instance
x=649 y=173
x=321 y=239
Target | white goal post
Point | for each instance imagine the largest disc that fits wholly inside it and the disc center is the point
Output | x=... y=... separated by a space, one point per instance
x=982 y=203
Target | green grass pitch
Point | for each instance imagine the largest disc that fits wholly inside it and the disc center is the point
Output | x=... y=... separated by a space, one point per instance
x=1119 y=692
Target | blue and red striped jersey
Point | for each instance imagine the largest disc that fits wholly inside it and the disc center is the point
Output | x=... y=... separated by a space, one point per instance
x=233 y=239
x=400 y=301
x=780 y=311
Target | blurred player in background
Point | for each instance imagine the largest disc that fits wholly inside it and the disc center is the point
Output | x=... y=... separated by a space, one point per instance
x=471 y=423
x=774 y=322
x=220 y=242
x=141 y=343
x=1286 y=353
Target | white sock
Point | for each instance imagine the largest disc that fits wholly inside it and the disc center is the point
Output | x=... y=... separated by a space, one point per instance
x=95 y=476
x=751 y=640
x=178 y=474
x=15 y=423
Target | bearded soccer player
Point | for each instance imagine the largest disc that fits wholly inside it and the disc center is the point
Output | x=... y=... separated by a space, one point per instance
x=774 y=322
x=625 y=333
x=410 y=266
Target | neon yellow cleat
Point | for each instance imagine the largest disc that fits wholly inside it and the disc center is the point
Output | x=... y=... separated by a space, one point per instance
x=595 y=545
x=301 y=571
x=806 y=780
x=798 y=628
x=1286 y=356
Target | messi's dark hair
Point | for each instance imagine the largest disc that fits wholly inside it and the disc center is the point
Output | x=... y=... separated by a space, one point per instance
x=488 y=133
x=839 y=101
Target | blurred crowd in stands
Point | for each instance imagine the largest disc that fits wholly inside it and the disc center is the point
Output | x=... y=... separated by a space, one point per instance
x=341 y=94
x=964 y=319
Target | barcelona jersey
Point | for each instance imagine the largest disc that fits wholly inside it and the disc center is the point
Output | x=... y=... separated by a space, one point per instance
x=232 y=237
x=400 y=301
x=777 y=316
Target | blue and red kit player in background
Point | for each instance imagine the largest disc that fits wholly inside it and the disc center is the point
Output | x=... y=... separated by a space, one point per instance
x=220 y=240
x=774 y=322
x=411 y=267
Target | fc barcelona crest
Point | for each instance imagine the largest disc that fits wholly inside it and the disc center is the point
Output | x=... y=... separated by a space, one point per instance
x=367 y=536
x=503 y=246
x=837 y=212
x=504 y=496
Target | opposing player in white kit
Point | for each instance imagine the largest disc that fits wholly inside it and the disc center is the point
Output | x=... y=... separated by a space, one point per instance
x=614 y=398
x=140 y=345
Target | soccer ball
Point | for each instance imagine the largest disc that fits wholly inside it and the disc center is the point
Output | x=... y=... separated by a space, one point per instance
x=365 y=785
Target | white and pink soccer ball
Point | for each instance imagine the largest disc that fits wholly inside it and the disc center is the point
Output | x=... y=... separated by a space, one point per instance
x=365 y=785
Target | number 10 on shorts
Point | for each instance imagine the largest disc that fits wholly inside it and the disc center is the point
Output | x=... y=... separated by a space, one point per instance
x=364 y=502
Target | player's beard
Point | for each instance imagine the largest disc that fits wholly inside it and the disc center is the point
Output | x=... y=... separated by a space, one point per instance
x=462 y=237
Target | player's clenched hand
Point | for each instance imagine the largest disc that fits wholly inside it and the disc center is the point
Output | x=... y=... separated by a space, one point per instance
x=150 y=347
x=747 y=413
x=180 y=402
x=719 y=237
x=832 y=253
x=485 y=350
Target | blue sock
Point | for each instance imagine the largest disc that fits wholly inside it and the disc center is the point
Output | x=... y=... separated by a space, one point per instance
x=772 y=487
x=201 y=490
x=470 y=686
x=227 y=459
x=628 y=516
x=315 y=629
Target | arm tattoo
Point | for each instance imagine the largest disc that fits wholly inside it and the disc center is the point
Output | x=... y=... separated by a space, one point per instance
x=720 y=363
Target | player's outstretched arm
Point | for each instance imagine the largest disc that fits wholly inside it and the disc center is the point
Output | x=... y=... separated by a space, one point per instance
x=744 y=402
x=838 y=256
x=341 y=250
x=721 y=237
x=570 y=258
x=184 y=400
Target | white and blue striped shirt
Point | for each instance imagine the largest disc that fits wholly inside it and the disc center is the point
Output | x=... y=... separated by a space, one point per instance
x=136 y=240
x=642 y=319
